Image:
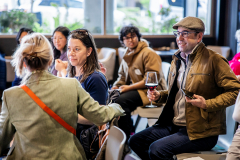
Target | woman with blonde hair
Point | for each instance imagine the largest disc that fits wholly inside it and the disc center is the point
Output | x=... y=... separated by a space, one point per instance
x=42 y=113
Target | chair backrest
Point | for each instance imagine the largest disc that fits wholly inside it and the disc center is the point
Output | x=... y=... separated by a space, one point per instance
x=115 y=144
x=223 y=50
x=121 y=52
x=107 y=57
x=225 y=141
x=165 y=68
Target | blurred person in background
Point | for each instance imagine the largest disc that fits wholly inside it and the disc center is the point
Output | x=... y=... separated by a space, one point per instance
x=21 y=33
x=235 y=62
x=59 y=43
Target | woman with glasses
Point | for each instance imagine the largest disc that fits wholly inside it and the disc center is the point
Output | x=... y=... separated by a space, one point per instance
x=84 y=66
x=37 y=135
x=59 y=42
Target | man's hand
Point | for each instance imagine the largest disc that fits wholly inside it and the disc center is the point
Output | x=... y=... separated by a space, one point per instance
x=153 y=95
x=199 y=101
x=124 y=88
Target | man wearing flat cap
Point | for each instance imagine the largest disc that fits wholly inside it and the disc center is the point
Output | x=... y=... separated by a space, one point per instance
x=189 y=124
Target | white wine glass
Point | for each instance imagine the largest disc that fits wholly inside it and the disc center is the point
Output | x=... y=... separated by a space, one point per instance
x=151 y=83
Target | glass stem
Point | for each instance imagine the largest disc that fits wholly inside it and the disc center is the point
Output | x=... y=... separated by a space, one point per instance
x=151 y=103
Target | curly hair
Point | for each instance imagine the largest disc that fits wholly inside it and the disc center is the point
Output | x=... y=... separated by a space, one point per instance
x=129 y=29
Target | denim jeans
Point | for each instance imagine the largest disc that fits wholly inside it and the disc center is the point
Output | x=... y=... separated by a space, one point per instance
x=162 y=142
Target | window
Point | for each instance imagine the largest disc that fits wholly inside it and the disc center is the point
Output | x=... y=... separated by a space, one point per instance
x=152 y=17
x=45 y=15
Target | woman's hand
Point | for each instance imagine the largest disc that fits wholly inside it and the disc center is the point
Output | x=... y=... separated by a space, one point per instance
x=102 y=68
x=59 y=65
x=124 y=88
x=153 y=95
x=198 y=101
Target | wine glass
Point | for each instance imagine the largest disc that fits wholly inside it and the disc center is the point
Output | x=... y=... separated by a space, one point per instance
x=151 y=84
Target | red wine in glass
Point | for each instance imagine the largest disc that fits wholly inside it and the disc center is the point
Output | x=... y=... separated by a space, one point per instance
x=151 y=83
x=151 y=86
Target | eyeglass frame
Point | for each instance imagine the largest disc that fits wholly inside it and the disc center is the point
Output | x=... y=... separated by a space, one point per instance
x=128 y=38
x=80 y=31
x=53 y=39
x=177 y=33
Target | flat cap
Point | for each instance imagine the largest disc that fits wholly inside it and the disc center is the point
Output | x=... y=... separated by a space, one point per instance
x=192 y=23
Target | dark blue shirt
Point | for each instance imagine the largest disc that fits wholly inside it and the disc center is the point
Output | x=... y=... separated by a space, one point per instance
x=96 y=85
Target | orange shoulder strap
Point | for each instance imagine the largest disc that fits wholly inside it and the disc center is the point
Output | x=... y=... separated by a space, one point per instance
x=48 y=110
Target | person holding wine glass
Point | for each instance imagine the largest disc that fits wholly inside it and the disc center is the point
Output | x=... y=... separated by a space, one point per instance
x=151 y=84
x=138 y=59
x=200 y=87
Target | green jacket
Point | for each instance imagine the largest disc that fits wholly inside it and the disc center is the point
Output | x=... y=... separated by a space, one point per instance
x=134 y=67
x=38 y=136
x=211 y=77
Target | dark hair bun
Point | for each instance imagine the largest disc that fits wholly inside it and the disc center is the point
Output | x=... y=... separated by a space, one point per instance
x=34 y=62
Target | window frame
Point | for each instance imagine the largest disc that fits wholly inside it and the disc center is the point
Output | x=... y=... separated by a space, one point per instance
x=109 y=36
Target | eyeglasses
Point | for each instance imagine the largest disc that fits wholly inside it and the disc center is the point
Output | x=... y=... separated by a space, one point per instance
x=183 y=33
x=80 y=31
x=128 y=38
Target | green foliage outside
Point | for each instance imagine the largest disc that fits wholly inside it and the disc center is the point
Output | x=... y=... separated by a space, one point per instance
x=132 y=17
x=166 y=26
x=145 y=3
x=147 y=23
x=71 y=26
x=12 y=21
x=42 y=29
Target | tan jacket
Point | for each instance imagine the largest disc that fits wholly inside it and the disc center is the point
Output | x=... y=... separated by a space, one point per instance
x=38 y=136
x=135 y=66
x=211 y=77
